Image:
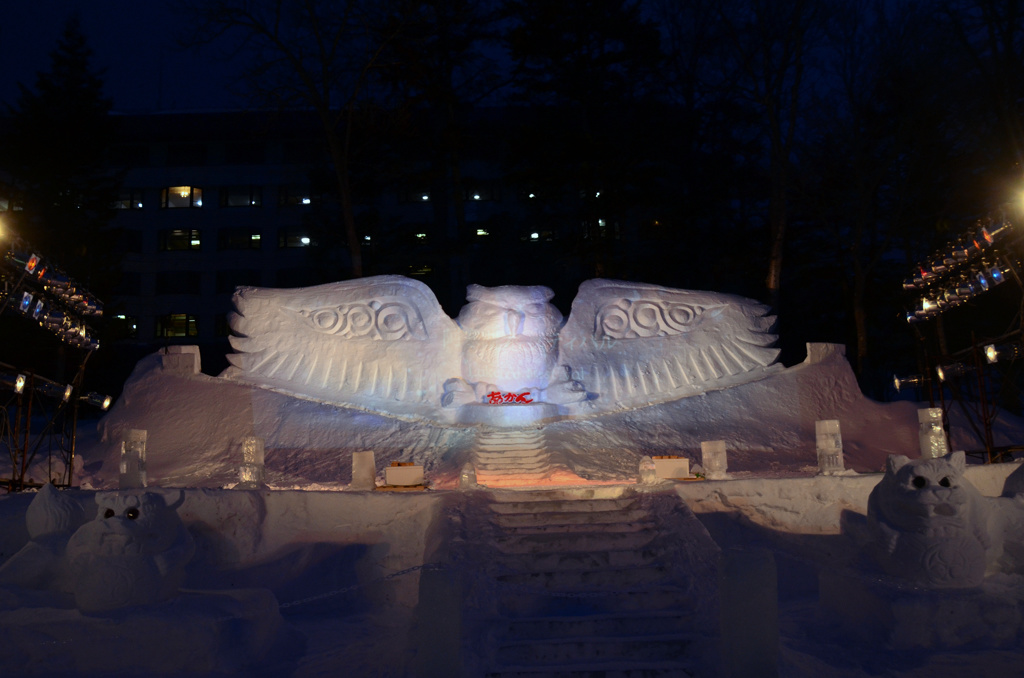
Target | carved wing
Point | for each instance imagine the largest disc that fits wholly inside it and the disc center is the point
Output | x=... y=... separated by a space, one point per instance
x=635 y=344
x=381 y=343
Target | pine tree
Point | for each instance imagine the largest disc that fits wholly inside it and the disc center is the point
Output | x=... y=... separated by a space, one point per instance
x=55 y=154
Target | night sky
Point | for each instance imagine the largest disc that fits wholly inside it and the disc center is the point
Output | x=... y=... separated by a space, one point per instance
x=132 y=40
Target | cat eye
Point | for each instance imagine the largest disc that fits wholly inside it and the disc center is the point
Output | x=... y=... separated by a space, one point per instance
x=945 y=481
x=131 y=513
x=920 y=481
x=109 y=513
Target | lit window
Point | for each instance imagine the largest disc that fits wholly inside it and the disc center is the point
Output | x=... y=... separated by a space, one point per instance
x=535 y=236
x=177 y=325
x=294 y=237
x=296 y=195
x=243 y=238
x=129 y=199
x=421 y=236
x=366 y=238
x=241 y=196
x=481 y=231
x=181 y=196
x=180 y=239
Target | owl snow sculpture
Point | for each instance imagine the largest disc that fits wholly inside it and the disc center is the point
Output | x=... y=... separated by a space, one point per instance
x=384 y=344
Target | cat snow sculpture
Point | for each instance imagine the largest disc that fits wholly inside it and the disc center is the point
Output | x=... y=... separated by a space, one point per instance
x=930 y=526
x=133 y=553
x=384 y=343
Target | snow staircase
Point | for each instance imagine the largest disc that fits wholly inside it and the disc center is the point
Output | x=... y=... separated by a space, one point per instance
x=513 y=457
x=577 y=582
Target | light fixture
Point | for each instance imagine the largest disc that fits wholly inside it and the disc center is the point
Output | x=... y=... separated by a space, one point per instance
x=535 y=236
x=98 y=399
x=67 y=392
x=913 y=381
x=305 y=201
x=26 y=302
x=366 y=237
x=481 y=231
x=19 y=383
x=421 y=236
x=425 y=197
x=476 y=196
x=951 y=371
x=994 y=354
x=304 y=240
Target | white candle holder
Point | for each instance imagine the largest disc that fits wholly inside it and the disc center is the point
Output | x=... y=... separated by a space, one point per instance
x=830 y=447
x=932 y=437
x=132 y=470
x=714 y=459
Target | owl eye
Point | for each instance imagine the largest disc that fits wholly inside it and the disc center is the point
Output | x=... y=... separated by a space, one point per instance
x=109 y=513
x=131 y=513
x=945 y=481
x=920 y=481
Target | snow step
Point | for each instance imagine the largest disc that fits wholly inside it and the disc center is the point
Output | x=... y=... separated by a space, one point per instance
x=618 y=625
x=631 y=669
x=564 y=494
x=573 y=542
x=578 y=528
x=502 y=563
x=516 y=520
x=568 y=579
x=522 y=601
x=561 y=505
x=560 y=651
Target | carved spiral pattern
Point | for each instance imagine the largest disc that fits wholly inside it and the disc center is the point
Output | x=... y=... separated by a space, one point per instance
x=625 y=319
x=388 y=321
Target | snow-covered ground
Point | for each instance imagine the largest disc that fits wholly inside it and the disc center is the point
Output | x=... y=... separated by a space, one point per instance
x=454 y=581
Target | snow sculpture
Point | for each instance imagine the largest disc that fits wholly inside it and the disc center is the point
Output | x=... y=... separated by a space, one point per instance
x=384 y=343
x=51 y=518
x=133 y=553
x=929 y=525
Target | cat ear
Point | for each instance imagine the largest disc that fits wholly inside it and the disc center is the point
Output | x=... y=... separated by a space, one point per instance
x=958 y=460
x=895 y=462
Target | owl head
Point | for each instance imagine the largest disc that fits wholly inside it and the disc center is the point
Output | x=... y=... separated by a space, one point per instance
x=509 y=311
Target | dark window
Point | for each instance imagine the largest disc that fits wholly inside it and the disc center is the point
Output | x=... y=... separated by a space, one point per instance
x=296 y=277
x=414 y=194
x=178 y=282
x=243 y=238
x=129 y=284
x=129 y=199
x=227 y=281
x=244 y=153
x=179 y=239
x=126 y=326
x=294 y=237
x=241 y=196
x=221 y=326
x=181 y=196
x=177 y=325
x=129 y=155
x=186 y=155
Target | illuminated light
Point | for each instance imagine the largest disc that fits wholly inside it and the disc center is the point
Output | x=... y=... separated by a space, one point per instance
x=598 y=194
x=99 y=400
x=121 y=316
x=535 y=236
x=476 y=196
x=140 y=205
x=982 y=280
x=67 y=392
x=951 y=371
x=909 y=284
x=195 y=243
x=19 y=383
x=913 y=317
x=929 y=305
x=255 y=236
x=199 y=203
x=425 y=197
x=481 y=231
x=366 y=237
x=304 y=240
x=601 y=223
x=532 y=195
x=914 y=380
x=421 y=236
x=31 y=264
x=305 y=201
x=26 y=302
x=1006 y=352
x=38 y=310
x=183 y=193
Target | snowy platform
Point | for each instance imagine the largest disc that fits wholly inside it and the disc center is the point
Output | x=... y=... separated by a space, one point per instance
x=197 y=632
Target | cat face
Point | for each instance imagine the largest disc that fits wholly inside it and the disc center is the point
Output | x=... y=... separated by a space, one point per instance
x=134 y=523
x=930 y=490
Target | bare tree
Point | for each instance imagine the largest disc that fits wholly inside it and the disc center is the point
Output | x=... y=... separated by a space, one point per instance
x=314 y=54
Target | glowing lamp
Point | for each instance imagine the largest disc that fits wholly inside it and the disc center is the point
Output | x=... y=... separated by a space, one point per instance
x=19 y=383
x=67 y=392
x=32 y=263
x=99 y=400
x=39 y=309
x=911 y=381
x=951 y=371
x=994 y=354
x=26 y=302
